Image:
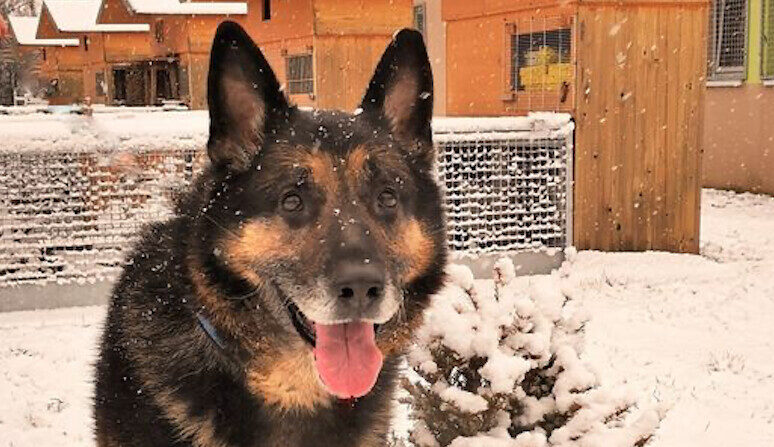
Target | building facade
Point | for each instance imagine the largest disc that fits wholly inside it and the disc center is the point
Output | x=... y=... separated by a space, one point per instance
x=631 y=74
x=323 y=51
x=739 y=137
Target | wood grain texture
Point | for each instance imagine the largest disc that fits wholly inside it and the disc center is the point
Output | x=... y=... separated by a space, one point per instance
x=639 y=126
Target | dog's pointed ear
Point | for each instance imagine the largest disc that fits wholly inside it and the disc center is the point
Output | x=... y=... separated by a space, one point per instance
x=400 y=93
x=244 y=97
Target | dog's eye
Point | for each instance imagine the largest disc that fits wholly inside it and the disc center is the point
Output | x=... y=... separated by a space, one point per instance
x=387 y=199
x=292 y=202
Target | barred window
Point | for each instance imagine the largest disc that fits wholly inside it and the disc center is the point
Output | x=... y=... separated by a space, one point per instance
x=541 y=61
x=300 y=74
x=727 y=40
x=419 y=18
x=767 y=68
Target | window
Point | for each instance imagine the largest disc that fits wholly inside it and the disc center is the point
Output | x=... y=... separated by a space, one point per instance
x=419 y=18
x=158 y=31
x=85 y=43
x=99 y=80
x=266 y=10
x=767 y=66
x=300 y=74
x=119 y=85
x=727 y=39
x=541 y=61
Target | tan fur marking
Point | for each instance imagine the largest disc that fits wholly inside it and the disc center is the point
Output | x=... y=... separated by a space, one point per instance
x=400 y=101
x=414 y=245
x=290 y=383
x=319 y=164
x=323 y=174
x=260 y=240
x=219 y=309
x=200 y=430
x=247 y=111
x=356 y=164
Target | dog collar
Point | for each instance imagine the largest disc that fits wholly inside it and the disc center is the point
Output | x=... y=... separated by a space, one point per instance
x=210 y=330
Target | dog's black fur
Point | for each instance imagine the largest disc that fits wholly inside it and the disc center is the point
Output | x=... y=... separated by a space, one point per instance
x=162 y=378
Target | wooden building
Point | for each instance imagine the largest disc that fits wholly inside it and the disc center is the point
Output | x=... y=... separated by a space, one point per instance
x=146 y=52
x=324 y=51
x=47 y=52
x=631 y=73
x=170 y=61
x=81 y=73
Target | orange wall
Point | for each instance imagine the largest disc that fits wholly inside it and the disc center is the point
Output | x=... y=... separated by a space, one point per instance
x=361 y=17
x=289 y=20
x=343 y=67
x=477 y=54
x=739 y=139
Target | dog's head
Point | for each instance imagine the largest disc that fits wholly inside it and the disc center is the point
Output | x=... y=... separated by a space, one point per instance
x=334 y=217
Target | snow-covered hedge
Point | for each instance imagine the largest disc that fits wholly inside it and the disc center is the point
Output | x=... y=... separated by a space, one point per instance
x=499 y=365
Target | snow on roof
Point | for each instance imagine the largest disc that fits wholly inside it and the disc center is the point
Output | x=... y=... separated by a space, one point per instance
x=25 y=30
x=81 y=16
x=193 y=8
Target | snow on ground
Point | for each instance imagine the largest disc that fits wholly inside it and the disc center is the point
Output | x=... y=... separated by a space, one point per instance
x=696 y=332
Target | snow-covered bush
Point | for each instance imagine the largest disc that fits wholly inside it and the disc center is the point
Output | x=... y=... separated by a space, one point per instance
x=499 y=365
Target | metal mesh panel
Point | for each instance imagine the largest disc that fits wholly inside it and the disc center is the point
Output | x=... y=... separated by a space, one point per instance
x=300 y=74
x=727 y=40
x=540 y=69
x=505 y=194
x=71 y=216
x=68 y=217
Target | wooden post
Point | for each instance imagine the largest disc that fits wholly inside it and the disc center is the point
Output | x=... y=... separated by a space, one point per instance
x=640 y=74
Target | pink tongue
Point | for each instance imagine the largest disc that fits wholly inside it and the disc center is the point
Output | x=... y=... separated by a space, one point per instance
x=347 y=358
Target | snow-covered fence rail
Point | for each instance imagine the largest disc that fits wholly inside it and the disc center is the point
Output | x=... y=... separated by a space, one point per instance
x=73 y=197
x=507 y=182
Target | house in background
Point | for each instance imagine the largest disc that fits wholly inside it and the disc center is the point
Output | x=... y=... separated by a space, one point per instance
x=323 y=51
x=140 y=52
x=81 y=74
x=738 y=134
x=168 y=63
x=45 y=53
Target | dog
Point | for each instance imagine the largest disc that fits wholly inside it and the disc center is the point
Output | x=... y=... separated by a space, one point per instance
x=274 y=307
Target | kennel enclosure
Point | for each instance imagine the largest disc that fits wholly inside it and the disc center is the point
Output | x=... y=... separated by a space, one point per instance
x=69 y=214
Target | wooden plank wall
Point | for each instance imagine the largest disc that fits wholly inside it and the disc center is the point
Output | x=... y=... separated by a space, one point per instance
x=640 y=76
x=343 y=67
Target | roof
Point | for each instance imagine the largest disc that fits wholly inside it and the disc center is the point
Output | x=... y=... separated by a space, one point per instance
x=25 y=30
x=81 y=16
x=185 y=8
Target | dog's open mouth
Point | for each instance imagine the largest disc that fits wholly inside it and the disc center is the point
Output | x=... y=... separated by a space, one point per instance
x=346 y=356
x=303 y=325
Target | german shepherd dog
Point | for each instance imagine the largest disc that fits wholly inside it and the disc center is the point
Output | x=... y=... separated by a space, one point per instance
x=272 y=310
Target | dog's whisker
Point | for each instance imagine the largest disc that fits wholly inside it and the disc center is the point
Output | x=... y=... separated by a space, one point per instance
x=219 y=225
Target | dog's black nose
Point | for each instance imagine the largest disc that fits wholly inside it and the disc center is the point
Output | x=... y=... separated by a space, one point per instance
x=359 y=281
